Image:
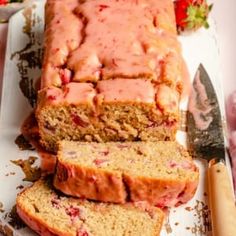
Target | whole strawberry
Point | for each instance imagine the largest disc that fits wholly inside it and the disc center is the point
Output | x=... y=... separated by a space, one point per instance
x=3 y=2
x=191 y=14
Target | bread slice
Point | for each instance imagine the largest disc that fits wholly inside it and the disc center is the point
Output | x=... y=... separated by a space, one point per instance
x=48 y=213
x=161 y=173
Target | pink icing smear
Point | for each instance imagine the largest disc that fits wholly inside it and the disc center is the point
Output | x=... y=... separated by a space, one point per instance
x=72 y=93
x=119 y=90
x=119 y=37
x=107 y=39
x=115 y=90
x=65 y=38
x=137 y=90
x=200 y=115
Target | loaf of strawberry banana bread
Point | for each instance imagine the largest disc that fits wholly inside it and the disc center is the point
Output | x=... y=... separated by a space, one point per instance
x=112 y=71
x=161 y=173
x=48 y=213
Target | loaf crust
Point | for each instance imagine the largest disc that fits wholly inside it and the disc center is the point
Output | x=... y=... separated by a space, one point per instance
x=95 y=49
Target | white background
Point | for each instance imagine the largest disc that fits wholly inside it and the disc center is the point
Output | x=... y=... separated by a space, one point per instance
x=224 y=12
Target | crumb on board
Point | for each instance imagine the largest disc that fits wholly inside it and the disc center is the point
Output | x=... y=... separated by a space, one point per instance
x=203 y=223
x=10 y=173
x=22 y=143
x=188 y=208
x=1 y=208
x=32 y=173
x=5 y=230
x=20 y=187
x=13 y=219
x=167 y=222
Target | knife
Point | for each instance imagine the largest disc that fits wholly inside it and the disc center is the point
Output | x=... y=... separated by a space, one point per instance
x=205 y=139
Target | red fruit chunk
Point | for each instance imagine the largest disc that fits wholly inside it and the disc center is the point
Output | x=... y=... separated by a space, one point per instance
x=99 y=162
x=55 y=203
x=79 y=121
x=102 y=7
x=65 y=76
x=3 y=2
x=82 y=233
x=181 y=13
x=173 y=164
x=52 y=97
x=73 y=212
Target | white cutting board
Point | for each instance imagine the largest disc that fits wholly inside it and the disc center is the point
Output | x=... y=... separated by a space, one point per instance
x=26 y=28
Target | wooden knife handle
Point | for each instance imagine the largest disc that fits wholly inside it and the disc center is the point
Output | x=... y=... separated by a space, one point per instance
x=222 y=202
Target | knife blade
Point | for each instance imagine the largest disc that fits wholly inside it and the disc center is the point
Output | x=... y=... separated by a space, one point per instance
x=205 y=139
x=205 y=130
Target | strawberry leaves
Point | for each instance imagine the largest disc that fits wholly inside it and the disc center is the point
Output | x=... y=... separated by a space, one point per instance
x=197 y=16
x=191 y=14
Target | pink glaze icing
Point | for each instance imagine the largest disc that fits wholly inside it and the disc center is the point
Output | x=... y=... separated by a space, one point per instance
x=72 y=93
x=116 y=90
x=66 y=27
x=34 y=224
x=138 y=90
x=167 y=99
x=106 y=39
x=122 y=37
x=201 y=115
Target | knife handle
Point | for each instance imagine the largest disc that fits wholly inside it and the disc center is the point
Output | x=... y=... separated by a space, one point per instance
x=222 y=202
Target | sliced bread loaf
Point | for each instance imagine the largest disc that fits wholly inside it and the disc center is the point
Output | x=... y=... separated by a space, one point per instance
x=100 y=83
x=50 y=214
x=161 y=173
